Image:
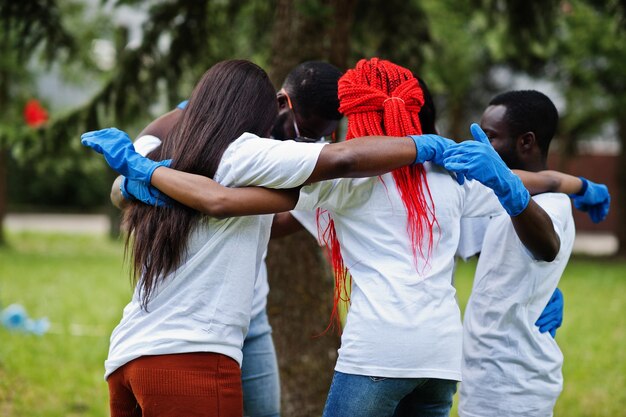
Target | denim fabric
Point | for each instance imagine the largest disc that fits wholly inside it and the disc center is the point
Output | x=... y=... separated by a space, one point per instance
x=259 y=371
x=365 y=396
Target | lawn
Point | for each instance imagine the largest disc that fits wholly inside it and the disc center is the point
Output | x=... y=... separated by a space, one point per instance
x=80 y=284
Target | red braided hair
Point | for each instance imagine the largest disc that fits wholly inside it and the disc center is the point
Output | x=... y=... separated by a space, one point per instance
x=381 y=98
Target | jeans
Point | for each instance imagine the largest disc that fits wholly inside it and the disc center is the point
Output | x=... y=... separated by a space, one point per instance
x=259 y=371
x=365 y=396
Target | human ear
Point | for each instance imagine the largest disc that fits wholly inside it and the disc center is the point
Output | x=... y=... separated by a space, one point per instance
x=526 y=142
x=283 y=101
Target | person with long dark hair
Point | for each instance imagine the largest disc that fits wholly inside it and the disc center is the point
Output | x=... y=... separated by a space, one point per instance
x=177 y=350
x=308 y=112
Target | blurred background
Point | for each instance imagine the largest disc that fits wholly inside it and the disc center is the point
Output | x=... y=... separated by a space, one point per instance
x=69 y=66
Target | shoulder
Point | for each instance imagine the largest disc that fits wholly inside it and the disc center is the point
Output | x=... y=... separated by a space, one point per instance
x=554 y=203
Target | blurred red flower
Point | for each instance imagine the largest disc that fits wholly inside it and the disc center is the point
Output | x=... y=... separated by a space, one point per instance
x=34 y=114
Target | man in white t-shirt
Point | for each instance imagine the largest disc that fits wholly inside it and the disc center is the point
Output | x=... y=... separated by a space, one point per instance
x=509 y=367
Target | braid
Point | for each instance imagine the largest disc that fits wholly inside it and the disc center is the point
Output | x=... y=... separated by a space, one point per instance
x=384 y=99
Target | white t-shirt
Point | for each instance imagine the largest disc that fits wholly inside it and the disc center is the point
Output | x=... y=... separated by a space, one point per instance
x=401 y=323
x=509 y=367
x=205 y=305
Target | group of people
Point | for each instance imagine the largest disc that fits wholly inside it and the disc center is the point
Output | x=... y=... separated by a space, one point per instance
x=394 y=204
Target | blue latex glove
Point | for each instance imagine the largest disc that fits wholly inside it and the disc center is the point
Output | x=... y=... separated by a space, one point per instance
x=431 y=148
x=594 y=199
x=552 y=316
x=120 y=154
x=476 y=159
x=146 y=193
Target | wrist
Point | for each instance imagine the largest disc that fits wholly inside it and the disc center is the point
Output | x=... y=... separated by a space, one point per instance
x=420 y=152
x=584 y=186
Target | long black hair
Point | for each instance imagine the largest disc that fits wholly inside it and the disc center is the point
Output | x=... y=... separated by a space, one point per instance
x=232 y=97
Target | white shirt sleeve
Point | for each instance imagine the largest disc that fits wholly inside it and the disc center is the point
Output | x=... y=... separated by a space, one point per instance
x=146 y=144
x=251 y=160
x=559 y=208
x=480 y=201
x=472 y=236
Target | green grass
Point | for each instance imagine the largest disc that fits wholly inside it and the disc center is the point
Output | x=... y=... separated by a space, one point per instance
x=79 y=283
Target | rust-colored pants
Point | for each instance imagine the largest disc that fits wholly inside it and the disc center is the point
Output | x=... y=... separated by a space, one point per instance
x=186 y=384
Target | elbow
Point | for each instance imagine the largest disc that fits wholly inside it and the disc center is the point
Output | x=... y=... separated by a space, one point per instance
x=550 y=250
x=212 y=205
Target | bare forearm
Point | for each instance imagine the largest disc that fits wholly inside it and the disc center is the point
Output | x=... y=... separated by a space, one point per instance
x=209 y=197
x=549 y=182
x=536 y=231
x=363 y=157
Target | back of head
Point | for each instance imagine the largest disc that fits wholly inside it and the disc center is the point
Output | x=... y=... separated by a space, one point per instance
x=232 y=97
x=529 y=111
x=312 y=87
x=380 y=98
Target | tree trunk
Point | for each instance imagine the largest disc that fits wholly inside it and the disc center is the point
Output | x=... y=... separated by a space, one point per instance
x=458 y=124
x=299 y=307
x=343 y=19
x=620 y=203
x=301 y=295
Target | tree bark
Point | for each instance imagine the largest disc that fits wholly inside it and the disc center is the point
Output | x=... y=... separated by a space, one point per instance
x=299 y=307
x=340 y=32
x=301 y=295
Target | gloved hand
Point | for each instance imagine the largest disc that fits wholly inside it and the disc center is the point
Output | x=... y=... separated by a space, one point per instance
x=594 y=199
x=431 y=148
x=120 y=154
x=478 y=160
x=146 y=193
x=552 y=316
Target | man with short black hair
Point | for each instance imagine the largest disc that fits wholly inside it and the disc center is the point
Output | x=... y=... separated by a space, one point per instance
x=509 y=367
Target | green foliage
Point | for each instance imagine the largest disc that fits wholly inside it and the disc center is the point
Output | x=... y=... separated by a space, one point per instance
x=589 y=66
x=78 y=283
x=401 y=34
x=519 y=32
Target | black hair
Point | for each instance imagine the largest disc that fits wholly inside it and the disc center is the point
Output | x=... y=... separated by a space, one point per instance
x=312 y=88
x=529 y=111
x=428 y=112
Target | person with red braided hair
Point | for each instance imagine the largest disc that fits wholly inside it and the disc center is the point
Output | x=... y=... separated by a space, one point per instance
x=400 y=348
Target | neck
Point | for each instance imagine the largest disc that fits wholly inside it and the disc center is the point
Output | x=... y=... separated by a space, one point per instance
x=536 y=165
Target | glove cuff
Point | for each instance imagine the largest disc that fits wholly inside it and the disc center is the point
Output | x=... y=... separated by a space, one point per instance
x=165 y=163
x=515 y=202
x=424 y=149
x=584 y=187
x=123 y=185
